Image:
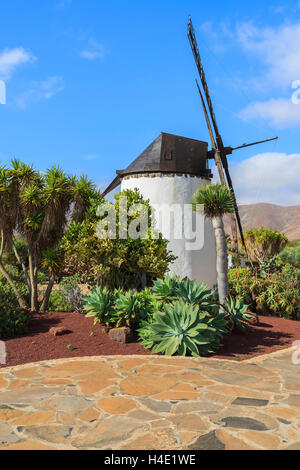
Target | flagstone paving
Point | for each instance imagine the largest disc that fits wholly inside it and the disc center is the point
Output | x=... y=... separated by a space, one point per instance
x=151 y=402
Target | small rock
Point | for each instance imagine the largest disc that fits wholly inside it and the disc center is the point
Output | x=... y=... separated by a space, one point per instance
x=122 y=335
x=58 y=331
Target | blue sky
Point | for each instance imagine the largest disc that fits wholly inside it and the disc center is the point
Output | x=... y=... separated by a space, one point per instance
x=91 y=83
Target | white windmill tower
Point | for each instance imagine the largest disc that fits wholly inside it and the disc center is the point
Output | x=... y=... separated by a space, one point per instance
x=168 y=173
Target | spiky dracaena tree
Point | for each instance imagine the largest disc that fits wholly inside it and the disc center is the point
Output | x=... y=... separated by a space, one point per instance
x=217 y=200
x=38 y=206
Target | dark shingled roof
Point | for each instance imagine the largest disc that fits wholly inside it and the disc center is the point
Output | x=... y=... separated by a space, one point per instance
x=171 y=154
x=168 y=153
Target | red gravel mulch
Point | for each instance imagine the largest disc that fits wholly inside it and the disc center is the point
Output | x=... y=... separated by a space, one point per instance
x=269 y=335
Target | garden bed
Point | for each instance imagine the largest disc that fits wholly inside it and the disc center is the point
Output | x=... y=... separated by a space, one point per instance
x=271 y=334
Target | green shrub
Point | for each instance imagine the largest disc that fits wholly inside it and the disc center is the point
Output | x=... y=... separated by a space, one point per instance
x=13 y=323
x=58 y=303
x=240 y=283
x=132 y=307
x=120 y=263
x=181 y=329
x=99 y=304
x=195 y=293
x=291 y=256
x=42 y=277
x=8 y=299
x=72 y=293
x=165 y=289
x=238 y=316
x=264 y=243
x=276 y=293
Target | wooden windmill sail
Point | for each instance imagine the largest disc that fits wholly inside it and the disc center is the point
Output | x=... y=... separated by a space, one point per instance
x=219 y=152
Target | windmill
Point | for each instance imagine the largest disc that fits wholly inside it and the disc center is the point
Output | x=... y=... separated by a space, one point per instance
x=218 y=151
x=168 y=172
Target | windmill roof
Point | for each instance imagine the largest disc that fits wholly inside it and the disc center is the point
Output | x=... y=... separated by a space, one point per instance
x=171 y=153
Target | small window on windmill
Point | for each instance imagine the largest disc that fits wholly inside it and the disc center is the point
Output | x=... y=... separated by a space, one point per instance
x=168 y=155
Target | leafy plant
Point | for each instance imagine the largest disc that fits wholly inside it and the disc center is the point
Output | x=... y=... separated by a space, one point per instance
x=196 y=293
x=291 y=256
x=99 y=304
x=117 y=263
x=14 y=323
x=264 y=243
x=58 y=303
x=239 y=318
x=145 y=332
x=276 y=293
x=131 y=307
x=165 y=289
x=72 y=294
x=179 y=329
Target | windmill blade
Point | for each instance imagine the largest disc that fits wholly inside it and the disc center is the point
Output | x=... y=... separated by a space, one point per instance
x=212 y=139
x=194 y=46
x=219 y=141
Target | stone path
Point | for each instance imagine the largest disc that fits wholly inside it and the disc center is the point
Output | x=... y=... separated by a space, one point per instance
x=151 y=403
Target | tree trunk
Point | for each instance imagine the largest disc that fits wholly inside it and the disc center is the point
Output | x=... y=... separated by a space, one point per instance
x=21 y=263
x=10 y=281
x=33 y=282
x=45 y=302
x=222 y=260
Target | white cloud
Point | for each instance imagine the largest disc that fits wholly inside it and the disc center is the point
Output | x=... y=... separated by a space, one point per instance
x=93 y=51
x=43 y=90
x=268 y=177
x=277 y=48
x=281 y=113
x=10 y=59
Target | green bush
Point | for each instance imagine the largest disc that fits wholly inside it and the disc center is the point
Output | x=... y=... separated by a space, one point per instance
x=165 y=289
x=238 y=316
x=8 y=300
x=181 y=329
x=119 y=263
x=264 y=243
x=13 y=323
x=58 y=303
x=72 y=293
x=276 y=293
x=196 y=293
x=99 y=304
x=291 y=256
x=133 y=307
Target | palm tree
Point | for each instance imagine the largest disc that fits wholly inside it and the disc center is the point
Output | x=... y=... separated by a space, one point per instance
x=217 y=200
x=38 y=207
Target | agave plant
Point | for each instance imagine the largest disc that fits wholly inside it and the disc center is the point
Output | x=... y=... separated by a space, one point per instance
x=165 y=289
x=99 y=304
x=131 y=307
x=145 y=332
x=180 y=329
x=237 y=314
x=199 y=294
x=218 y=327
